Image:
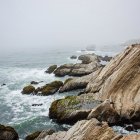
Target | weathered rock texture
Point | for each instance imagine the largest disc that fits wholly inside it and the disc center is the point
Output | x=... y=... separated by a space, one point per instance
x=119 y=81
x=79 y=82
x=8 y=133
x=72 y=108
x=90 y=63
x=105 y=112
x=51 y=69
x=86 y=130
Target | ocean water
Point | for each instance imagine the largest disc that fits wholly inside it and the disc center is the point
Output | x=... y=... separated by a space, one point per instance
x=18 y=70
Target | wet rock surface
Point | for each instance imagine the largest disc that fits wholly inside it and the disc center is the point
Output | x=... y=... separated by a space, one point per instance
x=72 y=108
x=8 y=133
x=51 y=69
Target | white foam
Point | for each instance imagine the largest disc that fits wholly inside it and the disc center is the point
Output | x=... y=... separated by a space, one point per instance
x=21 y=105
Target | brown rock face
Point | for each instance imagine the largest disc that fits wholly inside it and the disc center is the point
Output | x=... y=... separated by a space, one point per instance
x=79 y=82
x=8 y=133
x=105 y=112
x=86 y=130
x=131 y=137
x=119 y=82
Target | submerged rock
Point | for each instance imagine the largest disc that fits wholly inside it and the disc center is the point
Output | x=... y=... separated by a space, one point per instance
x=28 y=89
x=8 y=133
x=34 y=82
x=72 y=108
x=51 y=69
x=73 y=57
x=3 y=84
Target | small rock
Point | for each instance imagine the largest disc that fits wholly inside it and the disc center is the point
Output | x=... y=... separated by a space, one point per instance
x=51 y=69
x=3 y=84
x=73 y=57
x=37 y=104
x=28 y=89
x=34 y=83
x=129 y=128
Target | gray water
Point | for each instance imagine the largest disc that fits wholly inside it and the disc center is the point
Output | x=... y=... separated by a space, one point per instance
x=18 y=70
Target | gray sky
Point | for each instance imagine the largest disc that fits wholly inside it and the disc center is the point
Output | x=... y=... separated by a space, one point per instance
x=64 y=23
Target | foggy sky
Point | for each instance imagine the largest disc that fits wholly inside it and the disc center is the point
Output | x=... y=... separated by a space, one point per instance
x=67 y=23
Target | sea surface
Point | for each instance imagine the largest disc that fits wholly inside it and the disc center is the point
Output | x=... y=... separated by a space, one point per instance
x=18 y=70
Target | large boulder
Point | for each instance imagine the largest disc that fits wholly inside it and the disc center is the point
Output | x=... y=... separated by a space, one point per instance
x=49 y=89
x=72 y=108
x=51 y=69
x=105 y=112
x=119 y=82
x=28 y=89
x=86 y=130
x=79 y=82
x=8 y=133
x=90 y=63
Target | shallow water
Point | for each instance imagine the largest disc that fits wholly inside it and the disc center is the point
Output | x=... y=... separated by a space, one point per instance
x=18 y=70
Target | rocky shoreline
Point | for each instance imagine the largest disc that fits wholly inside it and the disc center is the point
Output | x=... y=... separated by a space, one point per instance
x=111 y=96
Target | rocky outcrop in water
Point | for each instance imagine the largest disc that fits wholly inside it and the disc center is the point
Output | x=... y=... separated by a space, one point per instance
x=90 y=63
x=8 y=133
x=72 y=108
x=51 y=69
x=28 y=89
x=73 y=57
x=48 y=89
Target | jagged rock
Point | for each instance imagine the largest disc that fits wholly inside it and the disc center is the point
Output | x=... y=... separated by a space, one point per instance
x=131 y=137
x=119 y=82
x=49 y=89
x=90 y=63
x=105 y=112
x=44 y=133
x=73 y=57
x=28 y=89
x=34 y=82
x=86 y=130
x=8 y=133
x=51 y=69
x=79 y=82
x=33 y=135
x=72 y=108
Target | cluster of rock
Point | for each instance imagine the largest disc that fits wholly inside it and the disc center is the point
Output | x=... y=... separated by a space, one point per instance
x=111 y=97
x=89 y=64
x=114 y=92
x=45 y=90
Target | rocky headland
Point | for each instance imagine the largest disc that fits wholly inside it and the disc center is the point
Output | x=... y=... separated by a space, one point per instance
x=110 y=97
